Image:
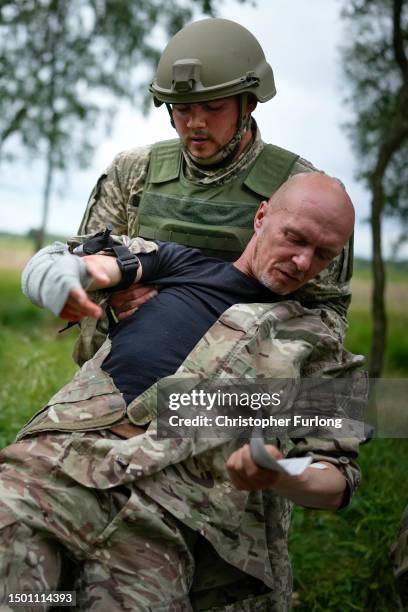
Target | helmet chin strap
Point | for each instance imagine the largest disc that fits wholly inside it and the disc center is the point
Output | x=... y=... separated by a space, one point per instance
x=229 y=150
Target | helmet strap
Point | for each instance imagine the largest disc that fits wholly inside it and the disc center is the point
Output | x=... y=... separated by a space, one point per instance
x=169 y=110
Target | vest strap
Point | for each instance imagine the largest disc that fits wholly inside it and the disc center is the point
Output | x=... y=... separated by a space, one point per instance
x=198 y=241
x=270 y=170
x=165 y=161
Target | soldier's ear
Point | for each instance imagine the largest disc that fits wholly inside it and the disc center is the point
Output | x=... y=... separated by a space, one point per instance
x=260 y=216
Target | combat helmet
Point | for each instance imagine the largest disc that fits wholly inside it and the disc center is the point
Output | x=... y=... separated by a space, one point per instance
x=210 y=59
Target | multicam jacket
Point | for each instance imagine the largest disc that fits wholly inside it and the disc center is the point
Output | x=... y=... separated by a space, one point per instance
x=187 y=476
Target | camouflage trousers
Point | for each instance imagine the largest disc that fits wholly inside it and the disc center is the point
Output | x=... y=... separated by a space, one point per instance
x=117 y=549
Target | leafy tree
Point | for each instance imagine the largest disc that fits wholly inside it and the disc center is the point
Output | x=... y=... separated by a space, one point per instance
x=376 y=69
x=64 y=63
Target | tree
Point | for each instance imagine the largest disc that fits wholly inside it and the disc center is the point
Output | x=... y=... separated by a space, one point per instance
x=64 y=63
x=376 y=69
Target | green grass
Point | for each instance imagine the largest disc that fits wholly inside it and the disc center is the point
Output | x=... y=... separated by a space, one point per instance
x=341 y=560
x=360 y=323
x=35 y=360
x=393 y=275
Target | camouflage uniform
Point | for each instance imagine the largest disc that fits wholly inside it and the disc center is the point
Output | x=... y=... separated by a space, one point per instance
x=116 y=198
x=110 y=496
x=142 y=516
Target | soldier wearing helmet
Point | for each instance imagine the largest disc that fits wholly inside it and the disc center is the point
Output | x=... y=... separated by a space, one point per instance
x=240 y=73
x=203 y=188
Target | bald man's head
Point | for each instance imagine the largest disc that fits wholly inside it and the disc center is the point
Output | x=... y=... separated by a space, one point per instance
x=298 y=232
x=315 y=193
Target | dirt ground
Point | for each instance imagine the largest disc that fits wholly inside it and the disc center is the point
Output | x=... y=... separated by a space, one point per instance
x=14 y=260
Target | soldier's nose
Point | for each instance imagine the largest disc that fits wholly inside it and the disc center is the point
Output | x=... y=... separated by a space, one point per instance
x=196 y=119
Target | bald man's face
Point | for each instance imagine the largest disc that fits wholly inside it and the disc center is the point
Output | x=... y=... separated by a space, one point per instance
x=293 y=245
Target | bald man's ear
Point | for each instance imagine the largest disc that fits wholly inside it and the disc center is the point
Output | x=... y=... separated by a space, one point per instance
x=260 y=216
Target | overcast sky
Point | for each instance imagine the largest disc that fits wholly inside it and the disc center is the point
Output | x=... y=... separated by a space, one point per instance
x=300 y=40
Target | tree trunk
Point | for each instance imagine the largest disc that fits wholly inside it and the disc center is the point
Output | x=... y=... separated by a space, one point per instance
x=52 y=37
x=13 y=126
x=378 y=293
x=40 y=236
x=394 y=138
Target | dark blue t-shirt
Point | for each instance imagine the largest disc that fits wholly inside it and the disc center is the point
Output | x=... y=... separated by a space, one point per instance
x=194 y=291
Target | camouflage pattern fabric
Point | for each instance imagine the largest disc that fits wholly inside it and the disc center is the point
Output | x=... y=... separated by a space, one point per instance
x=118 y=549
x=115 y=199
x=187 y=477
x=399 y=555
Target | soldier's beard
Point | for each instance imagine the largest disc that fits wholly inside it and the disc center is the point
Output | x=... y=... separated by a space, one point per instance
x=230 y=150
x=223 y=156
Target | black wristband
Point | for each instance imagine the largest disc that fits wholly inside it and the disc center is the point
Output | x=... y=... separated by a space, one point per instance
x=96 y=243
x=128 y=264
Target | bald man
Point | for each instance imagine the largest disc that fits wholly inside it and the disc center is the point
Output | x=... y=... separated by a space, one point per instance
x=156 y=524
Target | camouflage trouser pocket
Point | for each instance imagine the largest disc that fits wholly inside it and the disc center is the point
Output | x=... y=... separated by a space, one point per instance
x=142 y=552
x=121 y=509
x=88 y=402
x=139 y=518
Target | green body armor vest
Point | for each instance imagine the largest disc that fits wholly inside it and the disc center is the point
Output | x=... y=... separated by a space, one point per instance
x=216 y=219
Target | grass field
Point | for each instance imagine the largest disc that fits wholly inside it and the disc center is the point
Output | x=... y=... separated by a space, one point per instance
x=358 y=338
x=34 y=359
x=341 y=560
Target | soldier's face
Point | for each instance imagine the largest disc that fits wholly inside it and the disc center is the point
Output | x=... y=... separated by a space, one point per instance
x=204 y=128
x=292 y=247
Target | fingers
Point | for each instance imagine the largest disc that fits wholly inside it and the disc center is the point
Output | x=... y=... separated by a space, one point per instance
x=68 y=315
x=136 y=293
x=127 y=302
x=79 y=305
x=126 y=314
x=246 y=475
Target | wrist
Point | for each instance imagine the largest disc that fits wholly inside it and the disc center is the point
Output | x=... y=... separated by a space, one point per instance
x=285 y=484
x=102 y=263
x=127 y=263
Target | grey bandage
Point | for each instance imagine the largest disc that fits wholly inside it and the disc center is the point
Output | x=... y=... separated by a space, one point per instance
x=50 y=275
